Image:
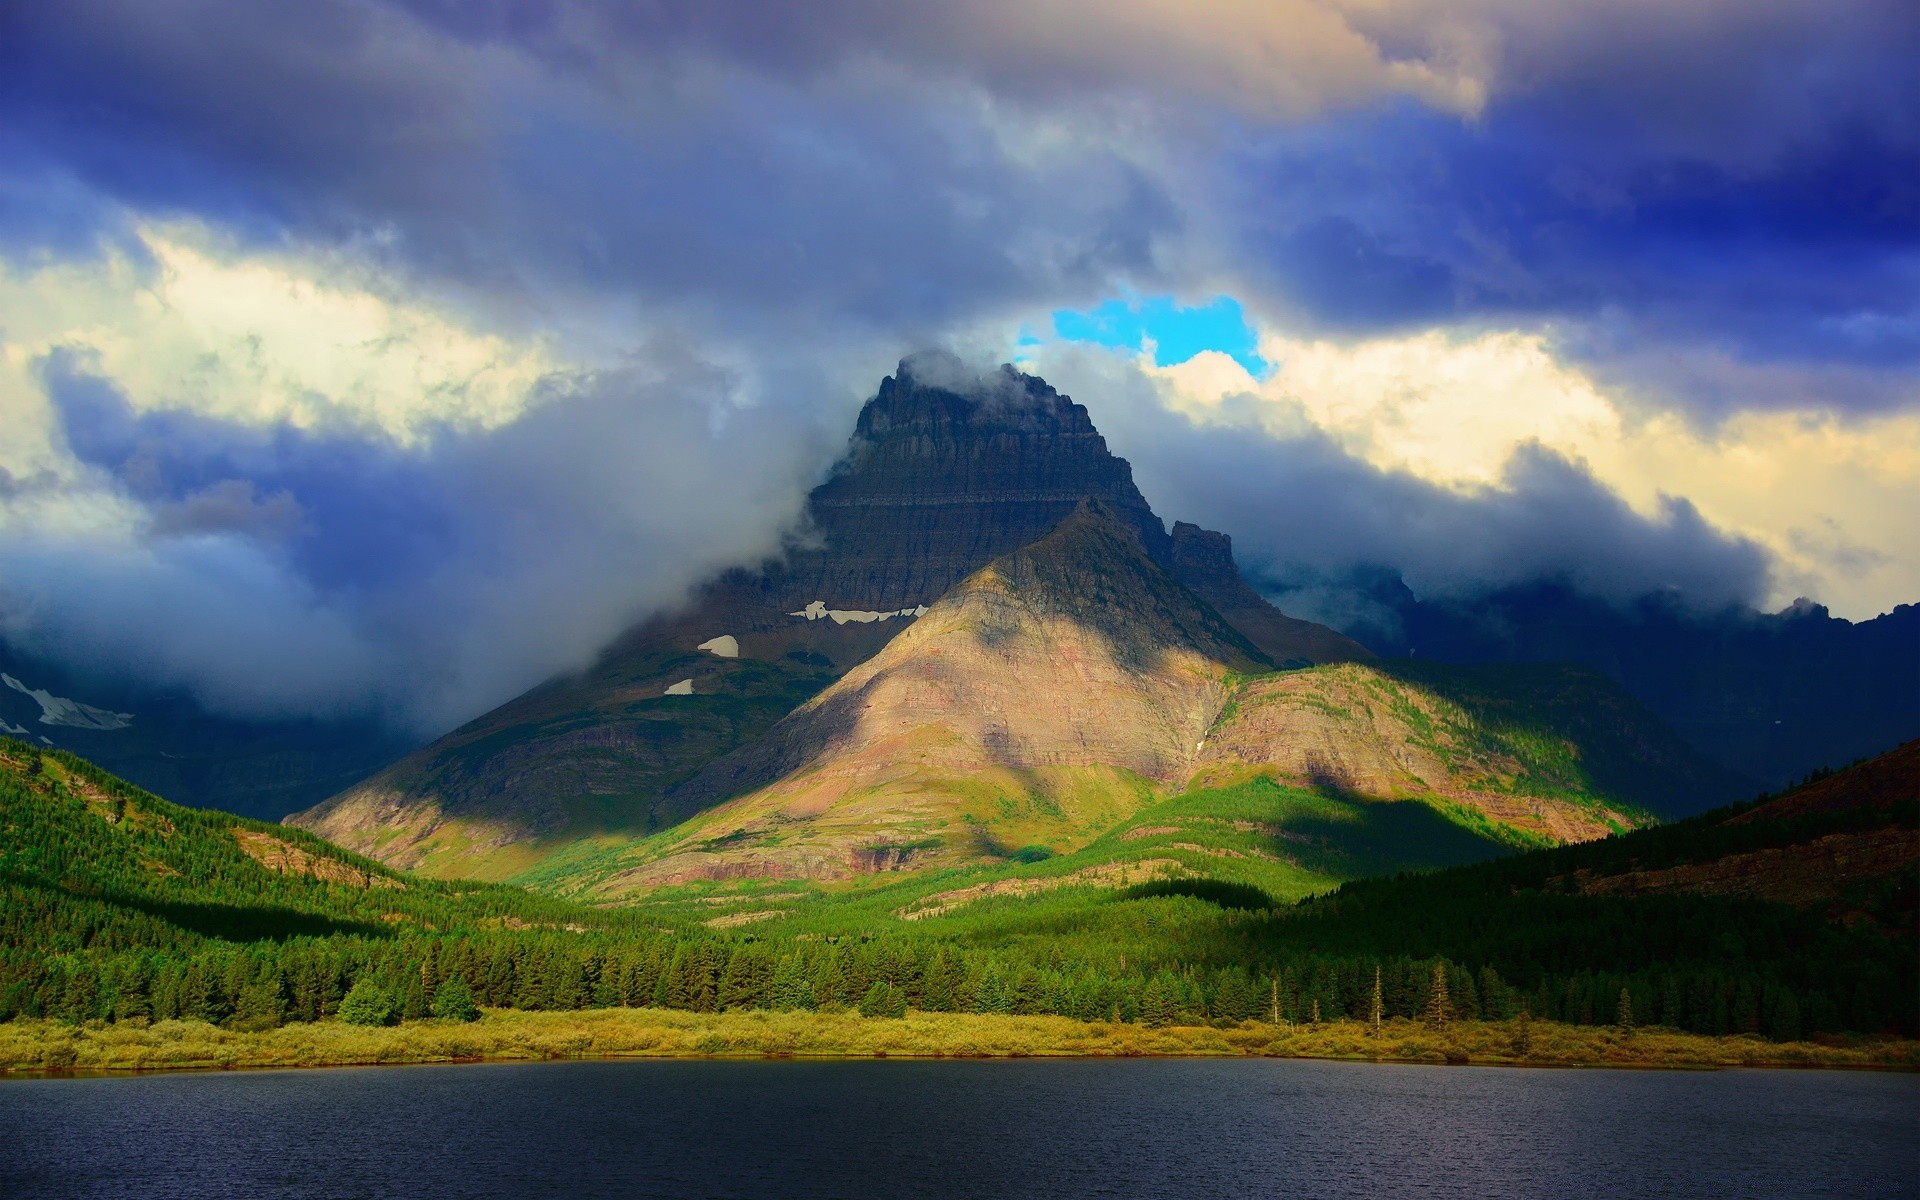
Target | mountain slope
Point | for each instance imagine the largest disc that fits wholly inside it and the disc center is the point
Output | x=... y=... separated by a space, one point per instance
x=88 y=862
x=1061 y=691
x=1069 y=676
x=941 y=477
x=1545 y=754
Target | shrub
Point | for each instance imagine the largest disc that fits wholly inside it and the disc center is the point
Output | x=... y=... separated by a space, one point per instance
x=367 y=1003
x=453 y=1001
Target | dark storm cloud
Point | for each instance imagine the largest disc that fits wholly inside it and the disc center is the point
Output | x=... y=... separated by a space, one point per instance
x=502 y=164
x=1663 y=183
x=1680 y=192
x=1689 y=203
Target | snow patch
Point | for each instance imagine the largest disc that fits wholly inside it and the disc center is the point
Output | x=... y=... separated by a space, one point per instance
x=683 y=688
x=724 y=646
x=840 y=616
x=14 y=730
x=58 y=710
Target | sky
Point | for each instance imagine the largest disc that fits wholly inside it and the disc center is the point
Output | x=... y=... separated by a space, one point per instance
x=387 y=356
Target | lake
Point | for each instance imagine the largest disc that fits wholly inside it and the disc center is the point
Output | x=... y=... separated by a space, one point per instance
x=1139 y=1128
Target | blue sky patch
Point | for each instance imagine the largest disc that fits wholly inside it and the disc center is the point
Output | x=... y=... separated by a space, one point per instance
x=1177 y=332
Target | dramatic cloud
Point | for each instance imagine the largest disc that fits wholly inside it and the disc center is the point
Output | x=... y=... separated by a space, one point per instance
x=1302 y=508
x=281 y=570
x=421 y=343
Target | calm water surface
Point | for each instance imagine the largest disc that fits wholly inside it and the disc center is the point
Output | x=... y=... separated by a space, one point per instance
x=951 y=1129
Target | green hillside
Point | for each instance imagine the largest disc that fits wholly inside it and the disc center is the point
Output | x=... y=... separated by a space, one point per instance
x=119 y=906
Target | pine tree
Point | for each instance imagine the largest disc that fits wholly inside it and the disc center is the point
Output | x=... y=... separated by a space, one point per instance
x=1523 y=1033
x=883 y=1000
x=1376 y=1011
x=1156 y=1006
x=1275 y=986
x=1624 y=1014
x=1439 y=1012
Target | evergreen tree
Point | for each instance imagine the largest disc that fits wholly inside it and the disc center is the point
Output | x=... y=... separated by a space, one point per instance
x=1376 y=1009
x=1439 y=1012
x=1623 y=1016
x=883 y=1000
x=453 y=1001
x=261 y=1004
x=1156 y=1005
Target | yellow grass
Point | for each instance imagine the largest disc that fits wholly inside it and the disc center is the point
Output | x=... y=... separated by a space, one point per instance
x=34 y=1045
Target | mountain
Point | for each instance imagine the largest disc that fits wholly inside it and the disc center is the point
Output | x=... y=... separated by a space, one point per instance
x=166 y=742
x=1773 y=696
x=1074 y=684
x=941 y=477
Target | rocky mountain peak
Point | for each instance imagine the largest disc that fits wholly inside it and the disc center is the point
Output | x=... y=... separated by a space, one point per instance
x=949 y=469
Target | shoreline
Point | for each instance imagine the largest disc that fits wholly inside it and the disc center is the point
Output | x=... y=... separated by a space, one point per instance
x=38 y=1048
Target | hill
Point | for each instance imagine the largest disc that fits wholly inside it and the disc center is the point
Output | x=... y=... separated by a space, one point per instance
x=104 y=882
x=1798 y=912
x=121 y=907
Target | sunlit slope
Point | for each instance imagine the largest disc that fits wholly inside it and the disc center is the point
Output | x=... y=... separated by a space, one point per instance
x=1064 y=688
x=88 y=862
x=1530 y=755
x=1036 y=704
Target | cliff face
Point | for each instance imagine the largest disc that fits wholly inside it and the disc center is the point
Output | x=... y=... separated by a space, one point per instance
x=936 y=484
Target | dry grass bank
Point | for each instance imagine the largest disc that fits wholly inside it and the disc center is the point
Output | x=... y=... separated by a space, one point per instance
x=31 y=1045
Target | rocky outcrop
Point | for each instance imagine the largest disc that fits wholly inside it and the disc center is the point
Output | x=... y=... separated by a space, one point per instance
x=943 y=476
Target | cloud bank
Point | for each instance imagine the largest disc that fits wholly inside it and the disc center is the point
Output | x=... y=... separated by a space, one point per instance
x=390 y=354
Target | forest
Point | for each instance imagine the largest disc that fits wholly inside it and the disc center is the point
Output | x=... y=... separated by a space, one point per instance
x=118 y=906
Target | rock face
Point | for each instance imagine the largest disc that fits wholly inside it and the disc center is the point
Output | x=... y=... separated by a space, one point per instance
x=945 y=473
x=937 y=483
x=1203 y=561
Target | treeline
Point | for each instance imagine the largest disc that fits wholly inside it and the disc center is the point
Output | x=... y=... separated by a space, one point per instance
x=306 y=979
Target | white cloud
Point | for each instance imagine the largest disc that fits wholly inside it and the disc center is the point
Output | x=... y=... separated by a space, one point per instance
x=180 y=320
x=1832 y=498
